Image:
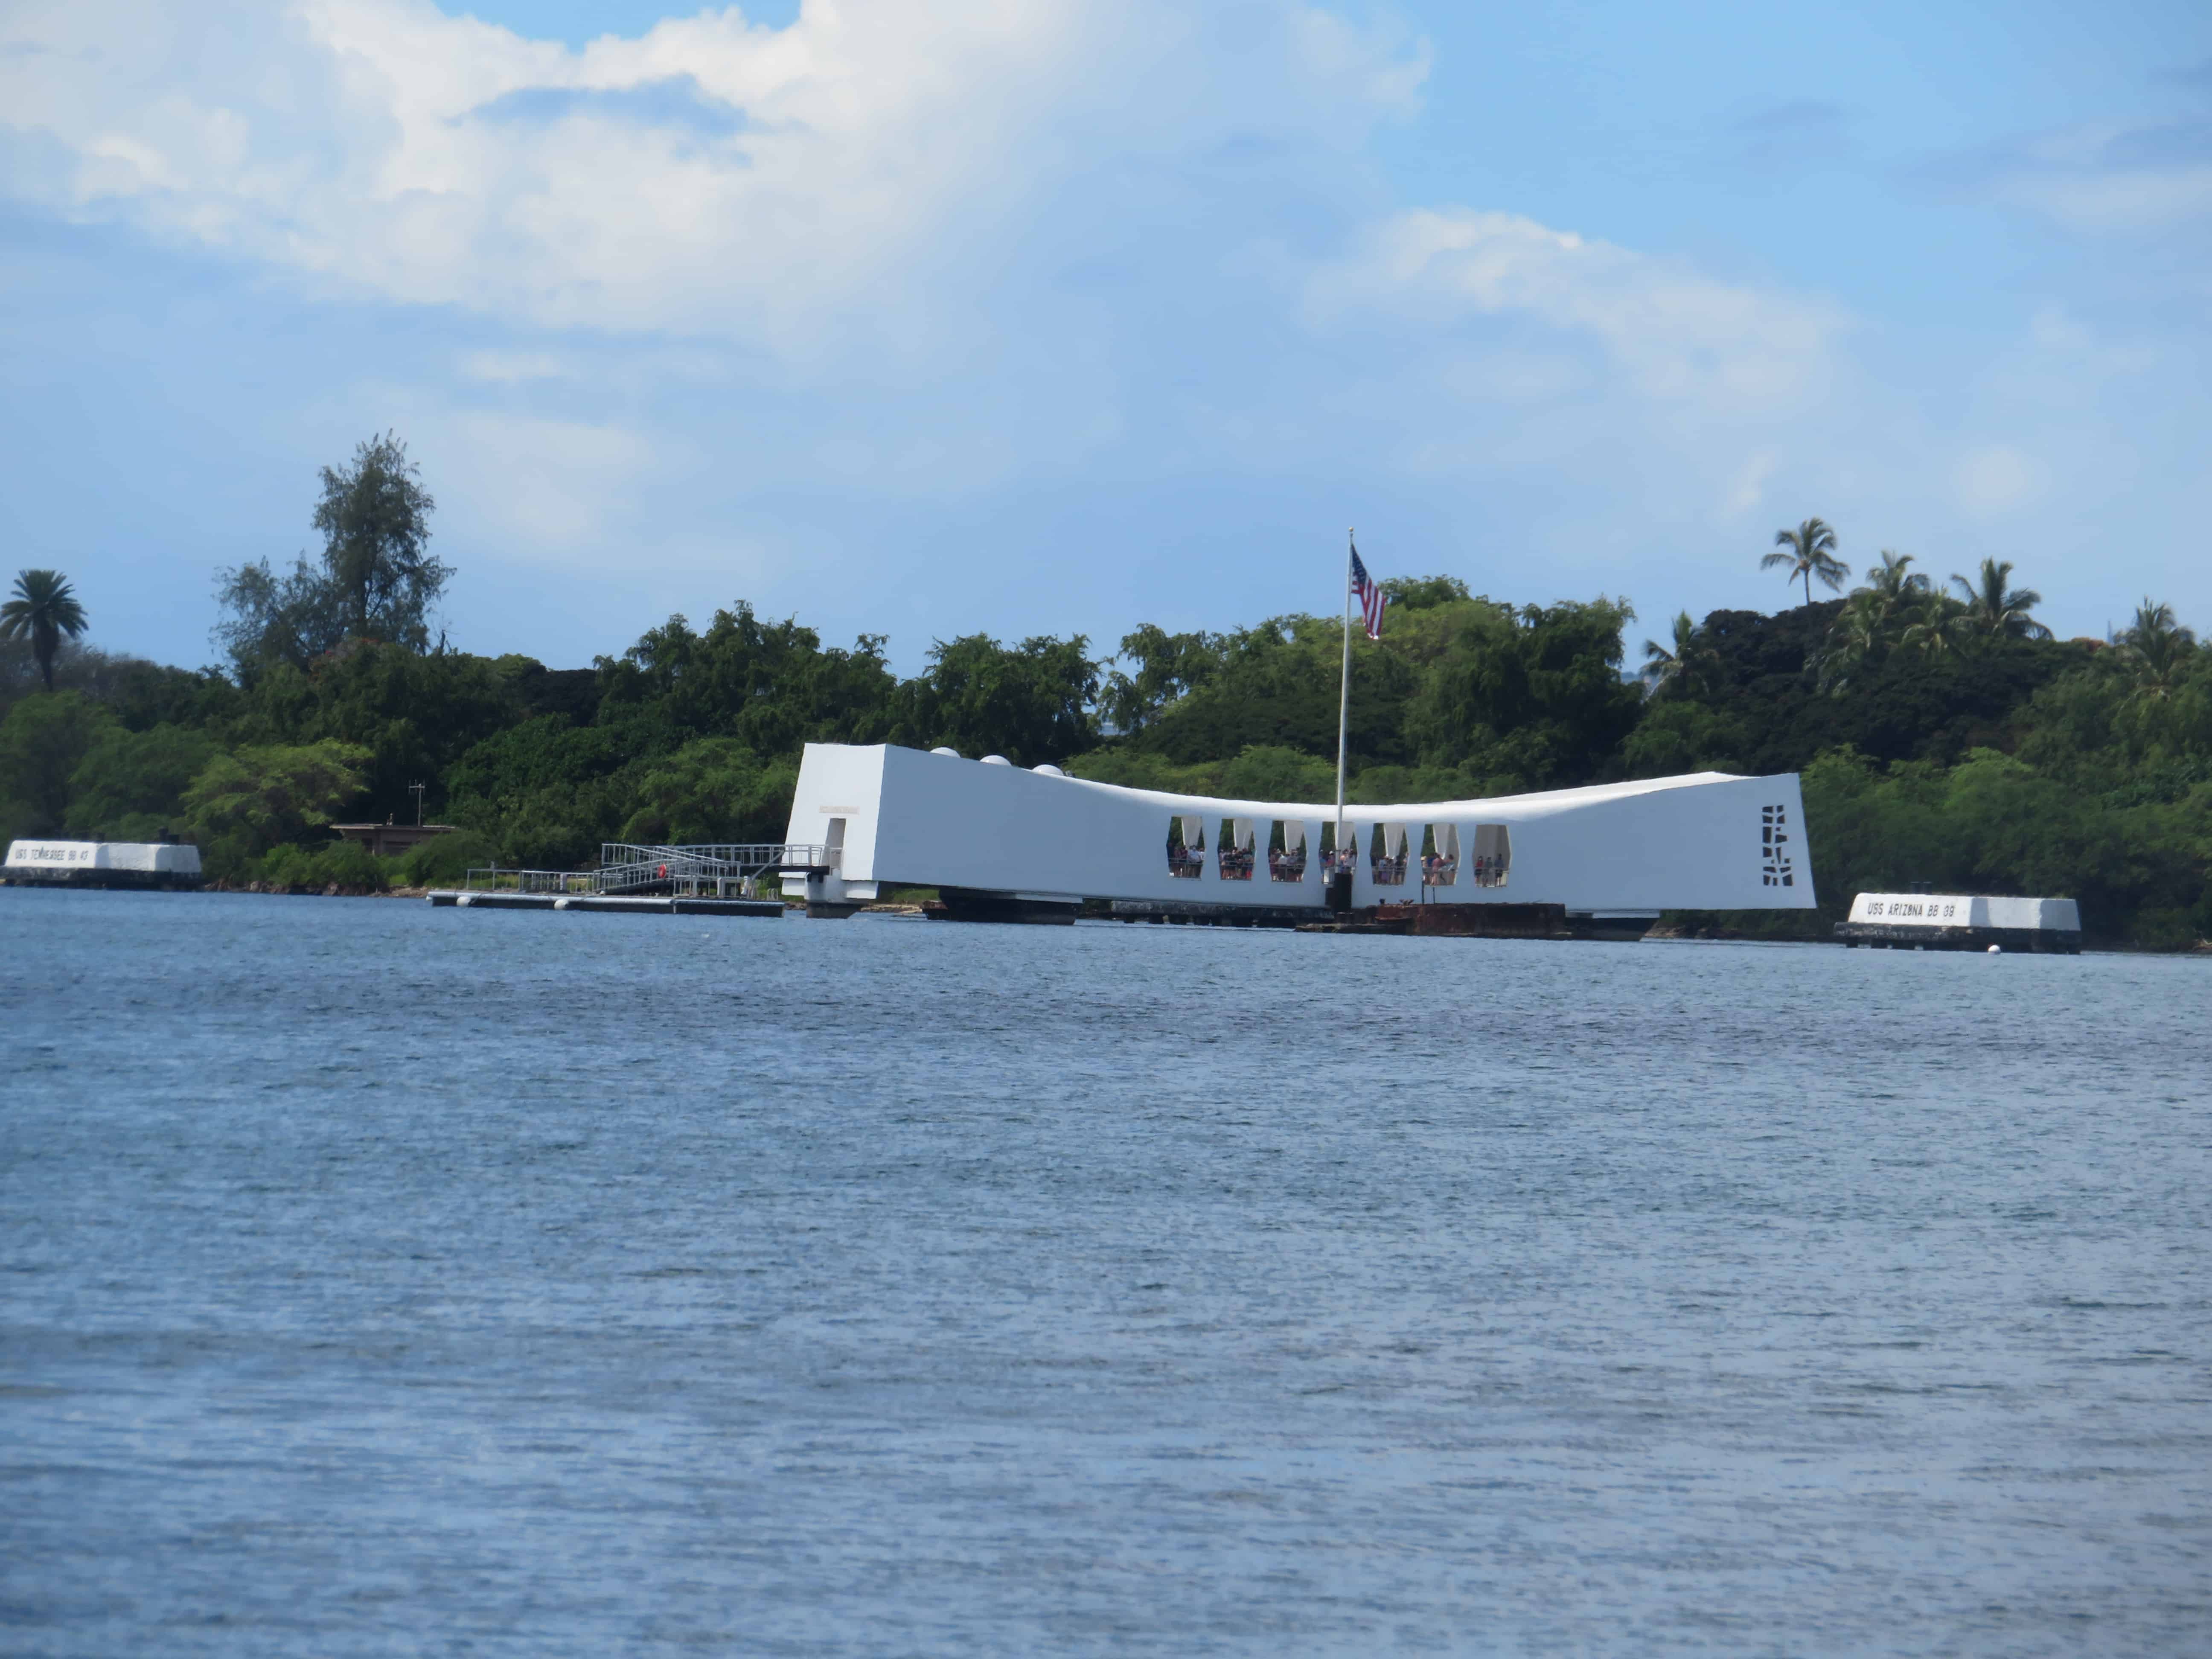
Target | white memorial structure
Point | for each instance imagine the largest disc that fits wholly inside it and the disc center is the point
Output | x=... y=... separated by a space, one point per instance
x=1963 y=921
x=890 y=816
x=103 y=863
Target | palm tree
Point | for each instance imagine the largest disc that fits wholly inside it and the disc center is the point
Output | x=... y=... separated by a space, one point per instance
x=2158 y=648
x=1683 y=663
x=1931 y=634
x=1861 y=635
x=1995 y=610
x=42 y=611
x=1812 y=553
x=1890 y=580
x=1877 y=613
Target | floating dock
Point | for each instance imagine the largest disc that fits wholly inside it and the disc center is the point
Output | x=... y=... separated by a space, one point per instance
x=642 y=904
x=719 y=880
x=1193 y=914
x=1455 y=922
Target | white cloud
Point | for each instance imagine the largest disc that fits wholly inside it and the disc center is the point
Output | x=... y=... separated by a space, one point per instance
x=827 y=305
x=1677 y=335
x=787 y=187
x=1619 y=399
x=2134 y=199
x=2105 y=179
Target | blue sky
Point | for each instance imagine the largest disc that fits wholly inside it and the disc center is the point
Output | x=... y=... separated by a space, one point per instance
x=1039 y=316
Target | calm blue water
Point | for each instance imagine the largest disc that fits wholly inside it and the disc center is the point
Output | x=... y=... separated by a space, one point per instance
x=376 y=1278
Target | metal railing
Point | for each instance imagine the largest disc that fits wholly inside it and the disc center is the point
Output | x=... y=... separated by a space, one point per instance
x=628 y=867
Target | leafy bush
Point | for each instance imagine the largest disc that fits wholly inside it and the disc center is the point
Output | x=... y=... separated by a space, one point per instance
x=1270 y=772
x=300 y=868
x=1677 y=735
x=712 y=790
x=245 y=803
x=443 y=860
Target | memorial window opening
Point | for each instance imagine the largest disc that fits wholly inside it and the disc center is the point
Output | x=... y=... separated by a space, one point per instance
x=1286 y=850
x=1493 y=854
x=1235 y=845
x=1339 y=858
x=1387 y=855
x=1186 y=845
x=1439 y=855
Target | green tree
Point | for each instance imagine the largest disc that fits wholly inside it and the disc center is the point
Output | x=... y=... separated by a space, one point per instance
x=1277 y=686
x=1678 y=735
x=130 y=785
x=345 y=865
x=1169 y=666
x=1534 y=696
x=1029 y=702
x=1683 y=663
x=244 y=803
x=1934 y=626
x=1994 y=610
x=713 y=789
x=1424 y=592
x=443 y=860
x=1876 y=618
x=415 y=714
x=544 y=794
x=1858 y=640
x=43 y=741
x=375 y=519
x=267 y=618
x=1894 y=582
x=378 y=580
x=43 y=608
x=770 y=685
x=2159 y=651
x=1811 y=552
x=1270 y=772
x=1896 y=607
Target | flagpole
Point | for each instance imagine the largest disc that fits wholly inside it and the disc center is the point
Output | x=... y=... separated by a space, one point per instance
x=1344 y=694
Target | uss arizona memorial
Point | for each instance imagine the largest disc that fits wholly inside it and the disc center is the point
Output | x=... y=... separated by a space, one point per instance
x=889 y=816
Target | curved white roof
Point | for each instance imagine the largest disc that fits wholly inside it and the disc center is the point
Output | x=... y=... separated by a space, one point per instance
x=1705 y=840
x=1495 y=808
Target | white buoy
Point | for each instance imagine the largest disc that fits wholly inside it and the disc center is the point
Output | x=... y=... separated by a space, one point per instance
x=1996 y=950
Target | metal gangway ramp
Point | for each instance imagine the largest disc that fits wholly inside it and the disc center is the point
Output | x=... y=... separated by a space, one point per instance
x=721 y=870
x=705 y=870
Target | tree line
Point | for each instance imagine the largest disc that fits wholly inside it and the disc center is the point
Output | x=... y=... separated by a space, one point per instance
x=1943 y=735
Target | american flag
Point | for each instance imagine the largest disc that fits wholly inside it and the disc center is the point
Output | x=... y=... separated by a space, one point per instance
x=1372 y=598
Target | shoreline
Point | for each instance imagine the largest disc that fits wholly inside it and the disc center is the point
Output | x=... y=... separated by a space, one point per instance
x=1663 y=932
